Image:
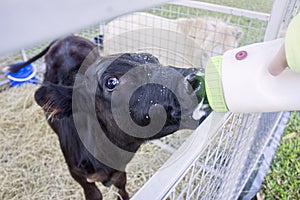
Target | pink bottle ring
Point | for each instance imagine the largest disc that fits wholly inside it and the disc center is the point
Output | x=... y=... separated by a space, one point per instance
x=241 y=55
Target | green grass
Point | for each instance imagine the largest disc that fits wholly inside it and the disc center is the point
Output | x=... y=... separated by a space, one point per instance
x=283 y=180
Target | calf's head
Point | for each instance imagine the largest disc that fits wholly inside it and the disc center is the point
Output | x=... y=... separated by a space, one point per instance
x=121 y=101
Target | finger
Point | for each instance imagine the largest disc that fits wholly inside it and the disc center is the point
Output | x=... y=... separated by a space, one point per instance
x=279 y=63
x=276 y=68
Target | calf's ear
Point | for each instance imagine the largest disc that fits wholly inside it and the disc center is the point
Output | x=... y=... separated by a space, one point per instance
x=56 y=101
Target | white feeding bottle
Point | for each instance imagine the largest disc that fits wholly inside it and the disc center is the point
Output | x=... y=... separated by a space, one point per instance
x=239 y=81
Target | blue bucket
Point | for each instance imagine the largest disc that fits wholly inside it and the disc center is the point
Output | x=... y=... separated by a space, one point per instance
x=24 y=75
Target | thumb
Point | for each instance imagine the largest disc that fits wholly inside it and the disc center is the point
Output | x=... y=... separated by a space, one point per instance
x=279 y=63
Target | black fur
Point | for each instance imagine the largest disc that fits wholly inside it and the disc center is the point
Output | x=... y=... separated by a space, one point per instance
x=64 y=57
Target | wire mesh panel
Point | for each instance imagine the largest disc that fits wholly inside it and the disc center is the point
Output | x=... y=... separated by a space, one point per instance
x=185 y=34
x=182 y=35
x=206 y=175
x=227 y=165
x=253 y=156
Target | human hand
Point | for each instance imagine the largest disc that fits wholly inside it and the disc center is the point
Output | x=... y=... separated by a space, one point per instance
x=279 y=63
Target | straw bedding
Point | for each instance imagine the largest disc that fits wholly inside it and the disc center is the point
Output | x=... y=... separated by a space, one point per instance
x=31 y=163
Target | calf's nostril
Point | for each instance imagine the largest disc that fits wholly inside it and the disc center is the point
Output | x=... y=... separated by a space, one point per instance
x=175 y=114
x=197 y=84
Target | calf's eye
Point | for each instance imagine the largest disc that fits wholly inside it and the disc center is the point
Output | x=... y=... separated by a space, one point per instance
x=111 y=83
